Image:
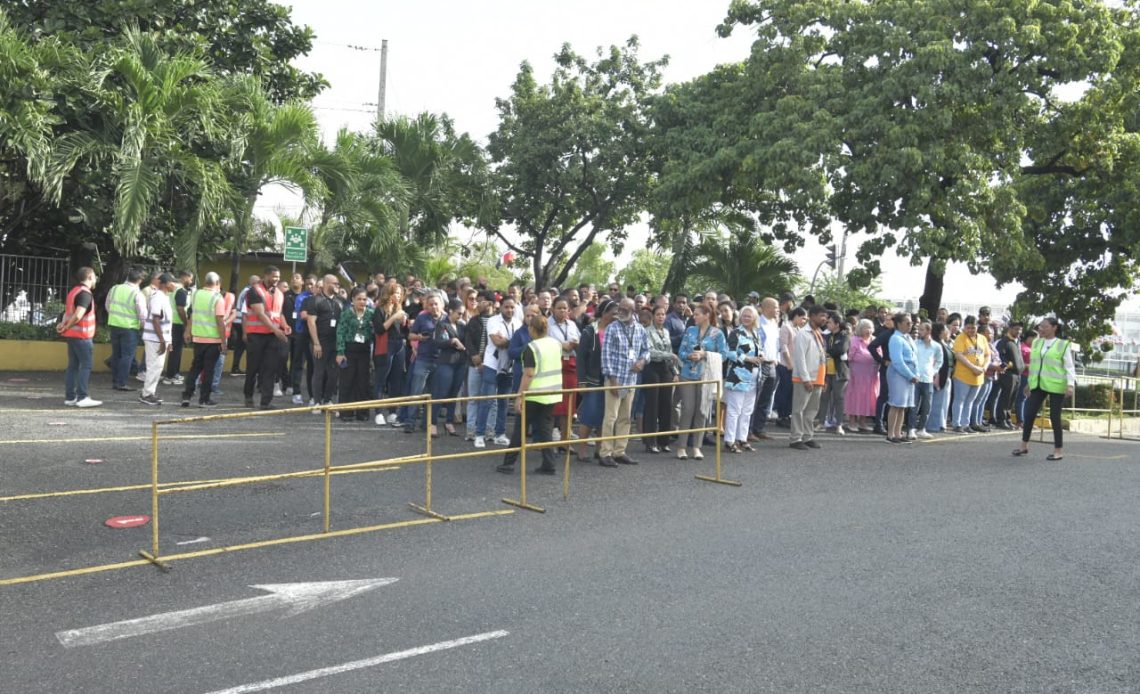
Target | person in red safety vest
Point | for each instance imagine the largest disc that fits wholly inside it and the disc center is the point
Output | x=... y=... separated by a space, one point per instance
x=267 y=337
x=78 y=328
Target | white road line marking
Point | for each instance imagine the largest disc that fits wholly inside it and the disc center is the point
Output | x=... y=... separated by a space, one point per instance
x=361 y=664
x=299 y=597
x=193 y=542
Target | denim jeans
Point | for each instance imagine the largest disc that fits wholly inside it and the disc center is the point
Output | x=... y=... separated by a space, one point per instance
x=923 y=401
x=939 y=404
x=124 y=341
x=389 y=377
x=964 y=397
x=445 y=385
x=80 y=359
x=216 y=381
x=977 y=413
x=475 y=387
x=419 y=384
x=494 y=383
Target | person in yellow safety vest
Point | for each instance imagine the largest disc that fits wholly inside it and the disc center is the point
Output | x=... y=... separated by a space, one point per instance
x=126 y=310
x=207 y=330
x=538 y=392
x=1052 y=375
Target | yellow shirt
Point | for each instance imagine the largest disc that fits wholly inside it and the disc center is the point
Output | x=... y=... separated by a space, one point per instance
x=977 y=352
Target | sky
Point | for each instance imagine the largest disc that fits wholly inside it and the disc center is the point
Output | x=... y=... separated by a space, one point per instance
x=457 y=57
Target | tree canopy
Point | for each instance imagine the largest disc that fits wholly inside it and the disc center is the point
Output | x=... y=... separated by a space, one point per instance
x=569 y=160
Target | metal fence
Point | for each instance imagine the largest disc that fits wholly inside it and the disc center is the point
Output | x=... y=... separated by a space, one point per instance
x=32 y=289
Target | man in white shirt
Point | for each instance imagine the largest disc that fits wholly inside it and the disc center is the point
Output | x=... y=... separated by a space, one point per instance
x=770 y=353
x=156 y=335
x=497 y=373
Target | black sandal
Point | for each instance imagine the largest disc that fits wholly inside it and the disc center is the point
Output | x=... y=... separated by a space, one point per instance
x=1018 y=451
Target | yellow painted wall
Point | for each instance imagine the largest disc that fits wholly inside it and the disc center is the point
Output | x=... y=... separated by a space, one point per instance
x=34 y=355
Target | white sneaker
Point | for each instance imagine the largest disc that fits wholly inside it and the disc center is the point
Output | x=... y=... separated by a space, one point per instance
x=392 y=419
x=88 y=402
x=556 y=434
x=70 y=403
x=502 y=440
x=924 y=434
x=289 y=390
x=179 y=380
x=380 y=421
x=911 y=435
x=839 y=430
x=480 y=442
x=141 y=376
x=697 y=455
x=277 y=391
x=312 y=402
x=298 y=400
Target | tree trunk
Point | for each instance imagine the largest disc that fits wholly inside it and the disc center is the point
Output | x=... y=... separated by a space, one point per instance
x=931 y=298
x=674 y=282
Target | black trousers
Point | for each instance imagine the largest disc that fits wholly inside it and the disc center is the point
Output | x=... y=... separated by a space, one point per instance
x=1008 y=383
x=325 y=372
x=205 y=359
x=1033 y=405
x=763 y=398
x=174 y=359
x=237 y=347
x=540 y=420
x=658 y=411
x=355 y=382
x=262 y=365
x=300 y=362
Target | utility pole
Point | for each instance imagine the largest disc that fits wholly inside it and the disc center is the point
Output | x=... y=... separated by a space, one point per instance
x=383 y=79
x=842 y=255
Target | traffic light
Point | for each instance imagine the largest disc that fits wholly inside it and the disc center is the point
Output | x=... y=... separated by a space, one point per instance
x=832 y=257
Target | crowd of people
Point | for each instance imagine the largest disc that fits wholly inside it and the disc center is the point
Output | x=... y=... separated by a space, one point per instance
x=798 y=365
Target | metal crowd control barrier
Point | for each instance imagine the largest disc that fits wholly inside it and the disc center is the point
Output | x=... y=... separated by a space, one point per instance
x=1042 y=421
x=327 y=470
x=715 y=429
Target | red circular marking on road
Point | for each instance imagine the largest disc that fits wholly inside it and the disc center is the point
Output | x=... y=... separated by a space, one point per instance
x=126 y=521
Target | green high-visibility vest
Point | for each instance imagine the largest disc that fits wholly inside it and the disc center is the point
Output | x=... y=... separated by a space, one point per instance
x=1047 y=370
x=203 y=322
x=547 y=371
x=122 y=308
x=175 y=318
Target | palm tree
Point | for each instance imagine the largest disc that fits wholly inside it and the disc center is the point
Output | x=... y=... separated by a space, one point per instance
x=25 y=123
x=360 y=211
x=741 y=263
x=152 y=108
x=270 y=143
x=444 y=173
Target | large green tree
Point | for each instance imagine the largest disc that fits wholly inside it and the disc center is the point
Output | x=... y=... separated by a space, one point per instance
x=938 y=126
x=75 y=43
x=570 y=163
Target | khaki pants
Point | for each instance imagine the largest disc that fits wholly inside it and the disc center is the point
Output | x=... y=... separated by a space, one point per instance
x=805 y=405
x=619 y=403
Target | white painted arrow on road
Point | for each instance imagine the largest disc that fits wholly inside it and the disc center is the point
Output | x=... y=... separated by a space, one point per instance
x=298 y=597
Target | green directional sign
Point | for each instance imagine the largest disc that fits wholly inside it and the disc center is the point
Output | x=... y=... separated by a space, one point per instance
x=296 y=244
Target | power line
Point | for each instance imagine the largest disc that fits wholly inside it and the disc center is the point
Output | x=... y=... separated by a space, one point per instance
x=353 y=110
x=350 y=46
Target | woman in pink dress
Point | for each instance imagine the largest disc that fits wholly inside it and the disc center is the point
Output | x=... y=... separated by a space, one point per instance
x=863 y=386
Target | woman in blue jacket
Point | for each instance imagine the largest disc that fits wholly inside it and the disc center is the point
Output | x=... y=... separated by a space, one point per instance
x=902 y=374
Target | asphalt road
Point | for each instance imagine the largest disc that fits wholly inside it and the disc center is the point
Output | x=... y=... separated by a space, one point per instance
x=938 y=567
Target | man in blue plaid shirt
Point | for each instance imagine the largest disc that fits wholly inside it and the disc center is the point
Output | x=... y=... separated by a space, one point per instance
x=625 y=353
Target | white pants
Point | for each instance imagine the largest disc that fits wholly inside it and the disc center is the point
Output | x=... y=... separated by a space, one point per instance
x=740 y=404
x=155 y=361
